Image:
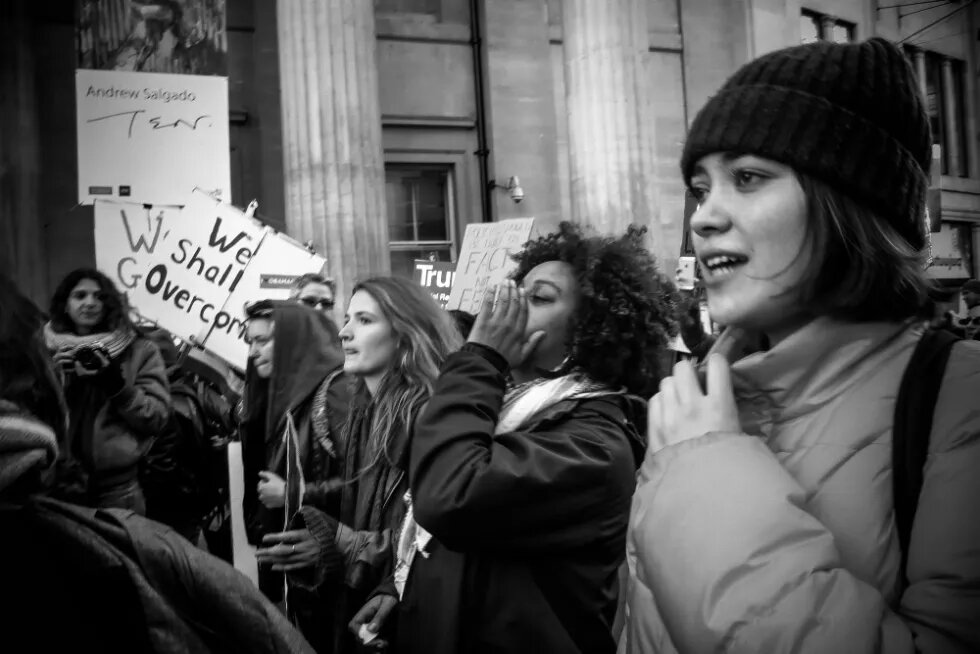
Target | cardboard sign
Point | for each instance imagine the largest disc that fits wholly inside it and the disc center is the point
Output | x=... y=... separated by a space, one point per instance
x=151 y=137
x=436 y=277
x=484 y=260
x=191 y=270
x=950 y=252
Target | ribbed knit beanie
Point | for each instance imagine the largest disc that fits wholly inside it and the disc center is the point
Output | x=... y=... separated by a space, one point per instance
x=850 y=115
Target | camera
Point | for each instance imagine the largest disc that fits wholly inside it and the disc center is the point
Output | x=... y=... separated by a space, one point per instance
x=88 y=357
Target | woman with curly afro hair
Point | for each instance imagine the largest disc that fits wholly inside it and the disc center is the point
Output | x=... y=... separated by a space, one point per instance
x=522 y=465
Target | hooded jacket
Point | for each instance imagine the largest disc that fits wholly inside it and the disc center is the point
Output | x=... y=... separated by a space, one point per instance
x=306 y=351
x=782 y=538
x=529 y=527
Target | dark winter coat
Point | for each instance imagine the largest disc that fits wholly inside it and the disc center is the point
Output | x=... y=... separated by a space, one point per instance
x=529 y=527
x=109 y=581
x=121 y=421
x=356 y=545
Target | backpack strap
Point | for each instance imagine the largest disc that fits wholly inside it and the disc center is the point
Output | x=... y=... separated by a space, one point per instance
x=914 y=409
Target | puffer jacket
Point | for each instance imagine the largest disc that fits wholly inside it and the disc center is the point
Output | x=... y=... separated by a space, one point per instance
x=783 y=539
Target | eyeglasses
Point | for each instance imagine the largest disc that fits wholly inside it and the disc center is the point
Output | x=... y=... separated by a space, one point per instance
x=317 y=303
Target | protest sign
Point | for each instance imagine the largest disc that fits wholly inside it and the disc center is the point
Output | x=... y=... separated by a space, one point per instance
x=277 y=262
x=484 y=260
x=436 y=277
x=191 y=270
x=151 y=137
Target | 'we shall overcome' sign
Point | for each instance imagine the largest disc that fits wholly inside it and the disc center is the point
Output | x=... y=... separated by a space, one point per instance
x=191 y=270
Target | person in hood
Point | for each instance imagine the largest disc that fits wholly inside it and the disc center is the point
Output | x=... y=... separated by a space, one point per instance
x=766 y=514
x=522 y=465
x=294 y=371
x=395 y=337
x=116 y=386
x=100 y=580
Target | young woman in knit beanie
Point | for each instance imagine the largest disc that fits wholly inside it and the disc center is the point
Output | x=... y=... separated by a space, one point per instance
x=764 y=518
x=116 y=386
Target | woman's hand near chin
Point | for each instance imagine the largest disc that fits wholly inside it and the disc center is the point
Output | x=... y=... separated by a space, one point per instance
x=682 y=410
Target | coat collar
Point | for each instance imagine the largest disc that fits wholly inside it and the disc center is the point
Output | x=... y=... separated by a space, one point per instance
x=818 y=362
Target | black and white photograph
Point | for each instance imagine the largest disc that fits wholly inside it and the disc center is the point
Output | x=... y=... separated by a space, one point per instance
x=490 y=326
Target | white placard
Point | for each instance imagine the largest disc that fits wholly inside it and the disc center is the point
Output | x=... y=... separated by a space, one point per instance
x=484 y=260
x=191 y=270
x=151 y=137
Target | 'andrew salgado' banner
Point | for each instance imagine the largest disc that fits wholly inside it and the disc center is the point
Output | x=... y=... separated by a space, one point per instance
x=151 y=137
x=191 y=270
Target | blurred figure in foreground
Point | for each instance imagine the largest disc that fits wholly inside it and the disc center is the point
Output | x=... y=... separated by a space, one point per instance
x=90 y=580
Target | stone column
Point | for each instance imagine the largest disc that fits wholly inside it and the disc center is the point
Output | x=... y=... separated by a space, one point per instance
x=919 y=57
x=827 y=24
x=21 y=228
x=611 y=139
x=952 y=132
x=331 y=118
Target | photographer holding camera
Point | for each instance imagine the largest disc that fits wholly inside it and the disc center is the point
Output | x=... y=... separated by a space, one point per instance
x=116 y=388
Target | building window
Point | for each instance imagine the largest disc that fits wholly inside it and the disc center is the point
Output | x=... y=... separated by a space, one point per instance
x=421 y=215
x=942 y=80
x=815 y=26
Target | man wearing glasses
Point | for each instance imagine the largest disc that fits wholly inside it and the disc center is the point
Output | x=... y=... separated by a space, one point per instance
x=315 y=291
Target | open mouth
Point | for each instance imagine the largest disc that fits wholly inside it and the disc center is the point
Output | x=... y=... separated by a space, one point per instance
x=719 y=265
x=348 y=352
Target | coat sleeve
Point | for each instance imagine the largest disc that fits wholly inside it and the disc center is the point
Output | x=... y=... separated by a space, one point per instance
x=342 y=549
x=210 y=592
x=143 y=402
x=745 y=568
x=538 y=491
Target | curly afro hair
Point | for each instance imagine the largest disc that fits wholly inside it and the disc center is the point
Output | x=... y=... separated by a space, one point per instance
x=626 y=310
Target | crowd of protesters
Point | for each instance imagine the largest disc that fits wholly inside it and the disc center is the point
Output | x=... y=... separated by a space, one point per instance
x=538 y=478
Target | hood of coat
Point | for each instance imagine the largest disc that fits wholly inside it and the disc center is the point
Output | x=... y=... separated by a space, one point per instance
x=306 y=350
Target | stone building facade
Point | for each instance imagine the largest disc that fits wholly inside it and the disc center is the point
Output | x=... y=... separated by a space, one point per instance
x=379 y=130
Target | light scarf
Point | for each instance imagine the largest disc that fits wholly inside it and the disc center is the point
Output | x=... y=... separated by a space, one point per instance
x=521 y=403
x=114 y=342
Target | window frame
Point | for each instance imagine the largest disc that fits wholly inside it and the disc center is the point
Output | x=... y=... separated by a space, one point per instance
x=450 y=199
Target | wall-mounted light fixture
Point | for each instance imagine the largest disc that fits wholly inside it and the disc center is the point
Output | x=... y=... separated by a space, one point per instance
x=513 y=187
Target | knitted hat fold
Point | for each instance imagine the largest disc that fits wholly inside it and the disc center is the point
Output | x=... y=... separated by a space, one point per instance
x=850 y=115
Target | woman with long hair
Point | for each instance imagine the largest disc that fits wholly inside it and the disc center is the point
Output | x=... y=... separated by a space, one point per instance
x=769 y=510
x=522 y=465
x=395 y=338
x=116 y=388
